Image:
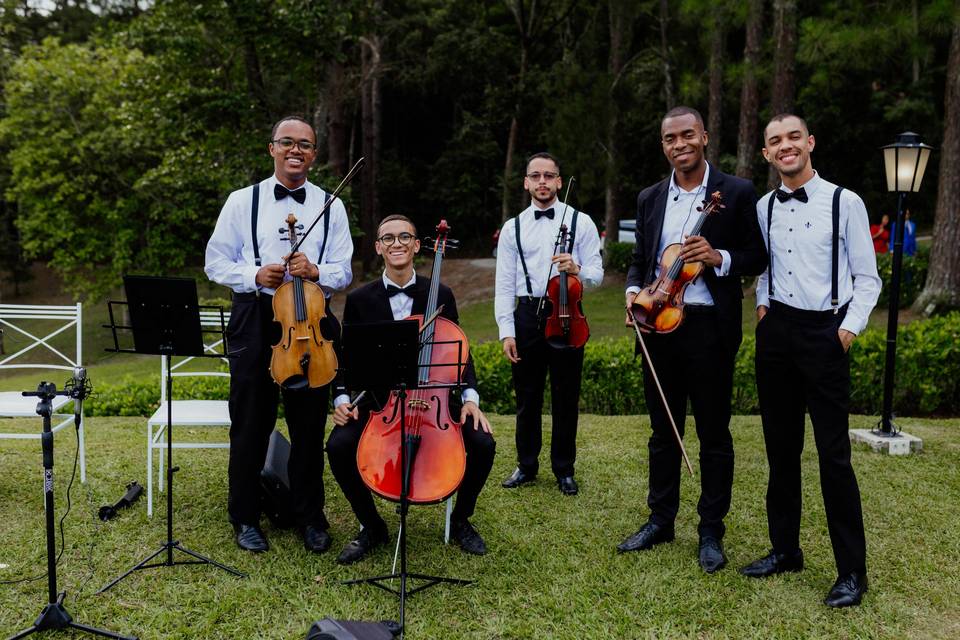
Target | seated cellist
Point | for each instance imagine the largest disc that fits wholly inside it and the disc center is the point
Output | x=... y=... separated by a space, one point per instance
x=398 y=293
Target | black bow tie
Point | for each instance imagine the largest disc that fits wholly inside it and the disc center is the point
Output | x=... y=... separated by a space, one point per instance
x=393 y=290
x=799 y=194
x=537 y=214
x=280 y=192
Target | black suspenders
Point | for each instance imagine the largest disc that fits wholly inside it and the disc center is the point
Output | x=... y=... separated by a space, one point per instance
x=254 y=208
x=523 y=262
x=835 y=250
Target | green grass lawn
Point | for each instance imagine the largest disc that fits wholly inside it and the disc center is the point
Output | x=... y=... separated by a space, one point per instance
x=552 y=570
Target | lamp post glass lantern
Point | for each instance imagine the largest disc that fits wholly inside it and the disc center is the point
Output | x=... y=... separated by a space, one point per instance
x=905 y=162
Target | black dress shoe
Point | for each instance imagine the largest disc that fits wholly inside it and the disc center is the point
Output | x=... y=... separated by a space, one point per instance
x=568 y=486
x=774 y=563
x=250 y=538
x=518 y=478
x=647 y=537
x=356 y=550
x=711 y=554
x=463 y=533
x=316 y=540
x=847 y=591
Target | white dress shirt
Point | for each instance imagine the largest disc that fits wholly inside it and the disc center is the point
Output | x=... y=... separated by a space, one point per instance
x=402 y=307
x=229 y=256
x=800 y=244
x=679 y=219
x=538 y=238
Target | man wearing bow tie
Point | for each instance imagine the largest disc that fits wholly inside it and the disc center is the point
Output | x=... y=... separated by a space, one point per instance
x=248 y=252
x=695 y=362
x=397 y=294
x=525 y=253
x=814 y=298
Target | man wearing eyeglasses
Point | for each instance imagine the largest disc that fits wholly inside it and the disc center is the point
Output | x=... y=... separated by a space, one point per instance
x=397 y=294
x=525 y=262
x=250 y=253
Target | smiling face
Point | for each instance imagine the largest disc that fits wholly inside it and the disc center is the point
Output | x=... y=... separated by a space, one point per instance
x=291 y=165
x=397 y=255
x=787 y=146
x=683 y=140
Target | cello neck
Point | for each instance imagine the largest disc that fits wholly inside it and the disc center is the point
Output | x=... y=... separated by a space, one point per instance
x=426 y=339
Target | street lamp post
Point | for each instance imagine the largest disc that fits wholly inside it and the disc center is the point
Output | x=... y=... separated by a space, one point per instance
x=905 y=161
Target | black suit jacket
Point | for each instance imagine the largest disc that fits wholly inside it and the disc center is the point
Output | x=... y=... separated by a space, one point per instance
x=734 y=229
x=370 y=303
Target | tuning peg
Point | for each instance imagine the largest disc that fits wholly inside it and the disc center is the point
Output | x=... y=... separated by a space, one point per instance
x=282 y=230
x=299 y=226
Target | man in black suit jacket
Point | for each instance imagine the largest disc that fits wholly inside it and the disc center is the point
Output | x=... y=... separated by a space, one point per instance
x=695 y=362
x=396 y=295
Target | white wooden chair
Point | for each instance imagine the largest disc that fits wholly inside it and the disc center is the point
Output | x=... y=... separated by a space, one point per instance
x=26 y=322
x=185 y=412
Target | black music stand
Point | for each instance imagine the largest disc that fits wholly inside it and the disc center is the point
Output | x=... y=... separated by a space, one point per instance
x=395 y=348
x=165 y=320
x=54 y=614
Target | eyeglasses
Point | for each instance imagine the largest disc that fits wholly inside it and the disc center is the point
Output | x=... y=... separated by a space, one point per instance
x=388 y=239
x=289 y=143
x=546 y=175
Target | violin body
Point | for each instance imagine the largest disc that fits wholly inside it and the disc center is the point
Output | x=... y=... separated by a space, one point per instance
x=659 y=307
x=432 y=446
x=565 y=325
x=304 y=357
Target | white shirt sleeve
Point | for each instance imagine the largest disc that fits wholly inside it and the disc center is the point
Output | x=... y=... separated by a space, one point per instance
x=336 y=272
x=505 y=292
x=587 y=248
x=724 y=268
x=863 y=265
x=223 y=261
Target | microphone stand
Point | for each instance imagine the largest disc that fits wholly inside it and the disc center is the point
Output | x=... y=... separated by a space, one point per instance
x=54 y=614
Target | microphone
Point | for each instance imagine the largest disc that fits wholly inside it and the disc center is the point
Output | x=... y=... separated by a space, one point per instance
x=78 y=388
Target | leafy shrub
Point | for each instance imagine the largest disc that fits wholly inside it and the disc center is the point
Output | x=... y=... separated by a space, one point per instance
x=619 y=255
x=913 y=275
x=927 y=377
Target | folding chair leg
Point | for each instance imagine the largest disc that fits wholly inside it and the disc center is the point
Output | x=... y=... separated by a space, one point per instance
x=446 y=529
x=81 y=444
x=149 y=470
x=160 y=465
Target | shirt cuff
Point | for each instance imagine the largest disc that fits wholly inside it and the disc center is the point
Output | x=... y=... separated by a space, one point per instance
x=341 y=399
x=470 y=395
x=507 y=331
x=763 y=299
x=852 y=324
x=724 y=267
x=633 y=290
x=250 y=277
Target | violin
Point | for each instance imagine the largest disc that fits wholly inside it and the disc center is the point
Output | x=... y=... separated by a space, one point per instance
x=304 y=357
x=434 y=445
x=565 y=325
x=659 y=306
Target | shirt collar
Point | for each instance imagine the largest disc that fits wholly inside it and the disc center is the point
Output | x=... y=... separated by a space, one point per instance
x=273 y=180
x=675 y=188
x=387 y=281
x=810 y=186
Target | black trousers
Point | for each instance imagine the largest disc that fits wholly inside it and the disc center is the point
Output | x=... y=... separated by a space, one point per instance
x=342 y=450
x=254 y=398
x=529 y=380
x=801 y=366
x=692 y=364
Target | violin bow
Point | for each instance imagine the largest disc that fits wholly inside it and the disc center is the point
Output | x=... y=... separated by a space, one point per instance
x=556 y=244
x=326 y=207
x=646 y=354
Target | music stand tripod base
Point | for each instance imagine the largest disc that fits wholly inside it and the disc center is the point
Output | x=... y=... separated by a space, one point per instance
x=165 y=320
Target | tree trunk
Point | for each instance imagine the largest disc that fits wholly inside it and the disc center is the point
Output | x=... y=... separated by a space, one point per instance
x=371 y=110
x=509 y=184
x=337 y=120
x=715 y=111
x=247 y=28
x=749 y=95
x=620 y=25
x=942 y=288
x=784 y=61
x=668 y=95
x=916 y=36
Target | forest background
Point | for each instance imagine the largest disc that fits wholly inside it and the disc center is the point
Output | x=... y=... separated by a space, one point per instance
x=124 y=124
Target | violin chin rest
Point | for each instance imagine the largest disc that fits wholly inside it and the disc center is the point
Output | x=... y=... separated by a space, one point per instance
x=560 y=344
x=296 y=383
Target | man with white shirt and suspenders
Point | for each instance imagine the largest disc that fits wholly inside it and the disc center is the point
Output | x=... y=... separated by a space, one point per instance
x=814 y=298
x=525 y=252
x=247 y=253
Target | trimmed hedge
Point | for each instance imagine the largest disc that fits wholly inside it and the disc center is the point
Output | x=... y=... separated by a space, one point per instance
x=913 y=276
x=927 y=383
x=619 y=256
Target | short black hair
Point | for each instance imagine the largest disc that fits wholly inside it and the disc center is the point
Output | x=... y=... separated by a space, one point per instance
x=683 y=111
x=397 y=217
x=545 y=156
x=780 y=117
x=273 y=133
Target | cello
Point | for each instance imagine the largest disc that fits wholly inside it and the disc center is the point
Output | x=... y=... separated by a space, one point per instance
x=433 y=445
